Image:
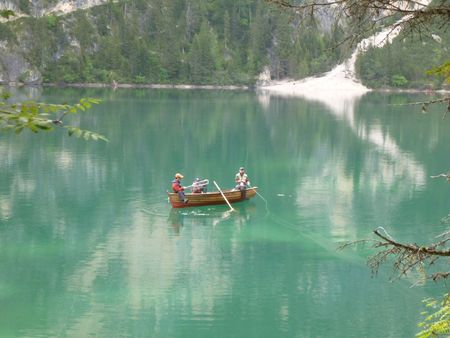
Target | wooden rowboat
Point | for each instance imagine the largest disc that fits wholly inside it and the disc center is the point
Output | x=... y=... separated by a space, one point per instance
x=212 y=198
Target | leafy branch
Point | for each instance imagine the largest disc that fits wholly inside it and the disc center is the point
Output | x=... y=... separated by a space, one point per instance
x=37 y=116
x=437 y=322
x=442 y=70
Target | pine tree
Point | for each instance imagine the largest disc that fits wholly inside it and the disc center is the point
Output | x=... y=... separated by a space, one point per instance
x=203 y=55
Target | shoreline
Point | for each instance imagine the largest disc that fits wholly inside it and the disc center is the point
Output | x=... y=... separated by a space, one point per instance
x=287 y=87
x=130 y=86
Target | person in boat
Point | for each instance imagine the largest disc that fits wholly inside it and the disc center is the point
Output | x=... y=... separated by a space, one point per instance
x=198 y=187
x=178 y=188
x=241 y=179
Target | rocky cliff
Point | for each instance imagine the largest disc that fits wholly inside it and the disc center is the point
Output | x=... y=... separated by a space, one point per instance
x=39 y=8
x=14 y=66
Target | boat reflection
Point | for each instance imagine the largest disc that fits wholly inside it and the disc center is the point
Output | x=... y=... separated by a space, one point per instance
x=207 y=216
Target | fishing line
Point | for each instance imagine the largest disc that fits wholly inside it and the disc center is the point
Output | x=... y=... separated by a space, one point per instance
x=267 y=207
x=154 y=203
x=154 y=213
x=289 y=225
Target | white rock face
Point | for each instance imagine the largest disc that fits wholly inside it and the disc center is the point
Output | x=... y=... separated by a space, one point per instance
x=41 y=8
x=342 y=79
x=264 y=77
x=67 y=6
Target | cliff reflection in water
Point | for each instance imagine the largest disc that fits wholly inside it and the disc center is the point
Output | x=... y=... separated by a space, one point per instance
x=362 y=151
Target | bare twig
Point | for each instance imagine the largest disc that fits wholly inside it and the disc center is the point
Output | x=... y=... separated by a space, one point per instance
x=413 y=247
x=407 y=257
x=446 y=176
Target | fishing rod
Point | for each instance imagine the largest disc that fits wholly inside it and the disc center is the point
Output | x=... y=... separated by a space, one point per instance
x=198 y=184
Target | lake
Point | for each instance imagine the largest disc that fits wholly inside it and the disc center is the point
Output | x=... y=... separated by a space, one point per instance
x=90 y=246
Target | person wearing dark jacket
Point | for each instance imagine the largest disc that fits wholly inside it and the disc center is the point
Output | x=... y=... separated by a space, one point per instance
x=178 y=188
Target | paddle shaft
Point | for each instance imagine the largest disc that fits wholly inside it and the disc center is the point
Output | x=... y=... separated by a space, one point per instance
x=223 y=196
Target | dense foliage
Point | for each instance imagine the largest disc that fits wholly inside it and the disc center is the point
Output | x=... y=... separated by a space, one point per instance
x=174 y=41
x=208 y=42
x=436 y=323
x=405 y=63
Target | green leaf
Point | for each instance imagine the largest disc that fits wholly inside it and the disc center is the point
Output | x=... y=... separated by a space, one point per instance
x=33 y=128
x=85 y=103
x=94 y=100
x=80 y=107
x=44 y=126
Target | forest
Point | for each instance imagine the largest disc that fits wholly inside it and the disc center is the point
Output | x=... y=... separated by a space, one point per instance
x=218 y=42
x=406 y=62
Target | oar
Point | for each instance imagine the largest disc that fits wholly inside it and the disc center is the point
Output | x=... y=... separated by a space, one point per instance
x=231 y=208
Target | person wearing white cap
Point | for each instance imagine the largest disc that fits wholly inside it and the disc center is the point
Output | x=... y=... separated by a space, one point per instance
x=199 y=186
x=178 y=188
x=241 y=179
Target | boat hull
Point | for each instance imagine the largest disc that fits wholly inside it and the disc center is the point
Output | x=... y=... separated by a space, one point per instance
x=212 y=198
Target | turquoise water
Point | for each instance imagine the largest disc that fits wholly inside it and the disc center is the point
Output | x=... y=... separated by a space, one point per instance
x=89 y=245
